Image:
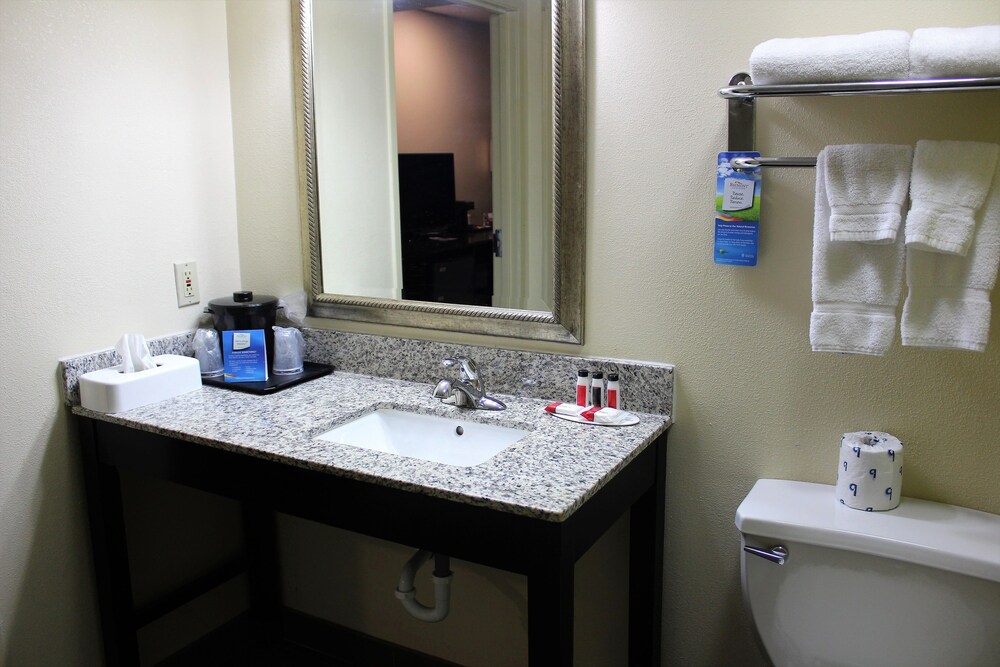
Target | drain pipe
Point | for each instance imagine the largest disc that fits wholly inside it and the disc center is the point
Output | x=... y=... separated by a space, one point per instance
x=407 y=594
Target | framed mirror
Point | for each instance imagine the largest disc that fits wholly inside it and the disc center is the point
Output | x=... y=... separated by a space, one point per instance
x=403 y=225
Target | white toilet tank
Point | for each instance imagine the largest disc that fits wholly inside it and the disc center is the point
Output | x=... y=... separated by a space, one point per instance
x=918 y=586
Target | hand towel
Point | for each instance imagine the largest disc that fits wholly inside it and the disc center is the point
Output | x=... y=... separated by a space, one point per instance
x=955 y=52
x=948 y=304
x=871 y=56
x=866 y=185
x=949 y=183
x=855 y=286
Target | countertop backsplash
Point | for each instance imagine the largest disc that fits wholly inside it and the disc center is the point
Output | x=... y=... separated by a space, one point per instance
x=646 y=386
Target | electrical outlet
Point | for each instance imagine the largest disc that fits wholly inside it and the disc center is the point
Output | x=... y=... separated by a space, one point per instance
x=186 y=281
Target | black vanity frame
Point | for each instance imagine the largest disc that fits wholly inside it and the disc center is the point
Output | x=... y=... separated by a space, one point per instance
x=544 y=551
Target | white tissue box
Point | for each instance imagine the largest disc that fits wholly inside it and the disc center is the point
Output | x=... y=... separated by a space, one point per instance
x=110 y=390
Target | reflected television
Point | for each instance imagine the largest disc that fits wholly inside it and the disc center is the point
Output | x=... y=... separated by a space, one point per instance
x=426 y=192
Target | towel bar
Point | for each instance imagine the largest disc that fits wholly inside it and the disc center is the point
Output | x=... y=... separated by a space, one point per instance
x=747 y=89
x=742 y=94
x=741 y=163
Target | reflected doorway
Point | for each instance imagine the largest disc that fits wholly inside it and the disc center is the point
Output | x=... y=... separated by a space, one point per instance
x=444 y=134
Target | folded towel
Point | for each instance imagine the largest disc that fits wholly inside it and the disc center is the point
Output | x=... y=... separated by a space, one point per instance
x=855 y=286
x=948 y=304
x=871 y=56
x=866 y=185
x=955 y=52
x=949 y=183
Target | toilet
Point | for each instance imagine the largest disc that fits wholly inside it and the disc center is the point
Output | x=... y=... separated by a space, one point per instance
x=825 y=584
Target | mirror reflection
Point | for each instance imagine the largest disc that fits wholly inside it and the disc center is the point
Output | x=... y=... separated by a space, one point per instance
x=433 y=150
x=399 y=174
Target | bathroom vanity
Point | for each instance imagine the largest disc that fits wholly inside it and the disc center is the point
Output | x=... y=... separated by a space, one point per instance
x=532 y=509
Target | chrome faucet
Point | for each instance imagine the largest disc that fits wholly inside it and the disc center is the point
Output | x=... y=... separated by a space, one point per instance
x=468 y=390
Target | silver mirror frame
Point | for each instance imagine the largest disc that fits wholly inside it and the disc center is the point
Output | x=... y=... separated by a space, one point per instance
x=569 y=100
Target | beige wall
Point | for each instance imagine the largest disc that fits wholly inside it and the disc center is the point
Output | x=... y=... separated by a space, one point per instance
x=116 y=160
x=753 y=401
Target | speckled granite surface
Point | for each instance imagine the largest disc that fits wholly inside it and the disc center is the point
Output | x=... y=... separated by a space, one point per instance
x=646 y=387
x=548 y=474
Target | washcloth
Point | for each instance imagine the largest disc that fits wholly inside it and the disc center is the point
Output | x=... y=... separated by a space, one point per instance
x=948 y=304
x=871 y=56
x=866 y=185
x=955 y=52
x=855 y=286
x=949 y=183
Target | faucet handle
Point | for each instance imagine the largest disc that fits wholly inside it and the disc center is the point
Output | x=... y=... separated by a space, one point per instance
x=467 y=369
x=445 y=393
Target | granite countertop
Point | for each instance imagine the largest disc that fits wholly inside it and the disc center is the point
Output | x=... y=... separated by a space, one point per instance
x=548 y=474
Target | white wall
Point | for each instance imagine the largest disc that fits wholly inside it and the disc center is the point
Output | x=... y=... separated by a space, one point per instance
x=116 y=160
x=753 y=401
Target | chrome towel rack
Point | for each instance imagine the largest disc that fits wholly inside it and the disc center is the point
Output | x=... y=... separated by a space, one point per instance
x=754 y=162
x=741 y=87
x=742 y=95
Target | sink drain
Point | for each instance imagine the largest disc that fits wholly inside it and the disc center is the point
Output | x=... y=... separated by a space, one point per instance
x=459 y=430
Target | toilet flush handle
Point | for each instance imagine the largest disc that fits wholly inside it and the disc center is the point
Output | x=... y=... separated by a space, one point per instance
x=776 y=554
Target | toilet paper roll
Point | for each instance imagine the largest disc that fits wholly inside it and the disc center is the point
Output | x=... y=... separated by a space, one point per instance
x=870 y=475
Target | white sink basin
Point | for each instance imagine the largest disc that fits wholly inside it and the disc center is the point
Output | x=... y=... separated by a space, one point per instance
x=441 y=439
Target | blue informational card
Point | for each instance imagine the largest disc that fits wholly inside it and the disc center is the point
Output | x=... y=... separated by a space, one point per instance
x=737 y=211
x=736 y=242
x=244 y=356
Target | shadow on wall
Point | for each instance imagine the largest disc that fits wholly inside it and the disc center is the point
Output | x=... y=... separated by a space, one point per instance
x=707 y=568
x=351 y=580
x=58 y=567
x=174 y=533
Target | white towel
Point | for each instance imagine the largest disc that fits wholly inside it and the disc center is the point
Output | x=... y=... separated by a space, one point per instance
x=855 y=286
x=955 y=52
x=948 y=304
x=949 y=183
x=871 y=56
x=866 y=185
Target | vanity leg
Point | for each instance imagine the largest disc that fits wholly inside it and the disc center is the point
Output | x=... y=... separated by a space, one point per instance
x=646 y=567
x=110 y=552
x=263 y=575
x=550 y=614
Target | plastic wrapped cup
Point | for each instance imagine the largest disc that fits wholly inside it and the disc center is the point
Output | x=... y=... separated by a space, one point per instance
x=289 y=350
x=208 y=352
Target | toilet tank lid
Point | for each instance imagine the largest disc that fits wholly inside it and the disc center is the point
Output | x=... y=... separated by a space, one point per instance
x=918 y=531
